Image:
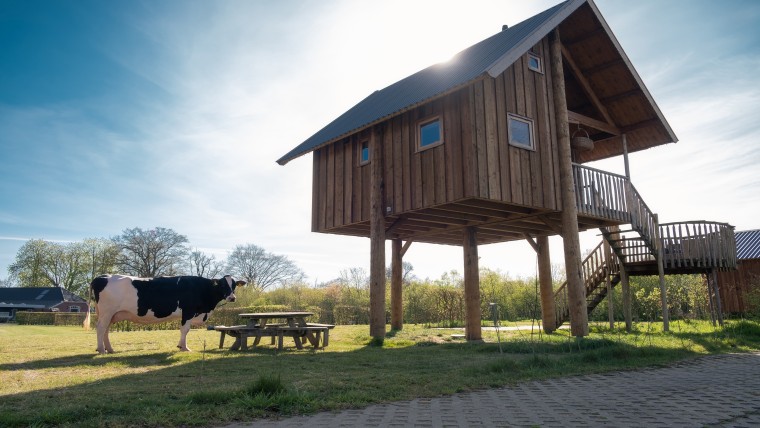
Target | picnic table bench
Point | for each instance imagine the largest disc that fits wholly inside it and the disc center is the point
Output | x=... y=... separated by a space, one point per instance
x=294 y=326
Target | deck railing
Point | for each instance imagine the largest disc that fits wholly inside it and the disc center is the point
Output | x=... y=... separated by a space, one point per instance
x=612 y=196
x=698 y=244
x=600 y=193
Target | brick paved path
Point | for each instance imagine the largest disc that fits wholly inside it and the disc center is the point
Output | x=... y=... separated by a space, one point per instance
x=720 y=390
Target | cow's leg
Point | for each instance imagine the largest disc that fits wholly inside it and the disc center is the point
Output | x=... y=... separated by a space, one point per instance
x=183 y=330
x=104 y=322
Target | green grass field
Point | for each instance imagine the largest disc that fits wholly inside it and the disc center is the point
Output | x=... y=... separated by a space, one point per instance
x=51 y=376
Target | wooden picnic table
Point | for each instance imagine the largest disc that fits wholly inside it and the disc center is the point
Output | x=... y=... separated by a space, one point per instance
x=289 y=324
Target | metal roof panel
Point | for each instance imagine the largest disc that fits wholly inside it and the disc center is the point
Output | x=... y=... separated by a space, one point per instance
x=465 y=67
x=748 y=244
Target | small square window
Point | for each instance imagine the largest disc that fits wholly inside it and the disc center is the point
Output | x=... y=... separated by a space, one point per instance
x=520 y=132
x=535 y=63
x=431 y=133
x=364 y=154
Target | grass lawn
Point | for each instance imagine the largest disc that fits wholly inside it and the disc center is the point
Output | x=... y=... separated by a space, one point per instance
x=52 y=375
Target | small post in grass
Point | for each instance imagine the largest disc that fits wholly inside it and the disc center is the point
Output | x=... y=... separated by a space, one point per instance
x=495 y=315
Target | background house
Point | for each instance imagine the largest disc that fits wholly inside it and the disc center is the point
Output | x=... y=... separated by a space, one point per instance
x=39 y=299
x=740 y=288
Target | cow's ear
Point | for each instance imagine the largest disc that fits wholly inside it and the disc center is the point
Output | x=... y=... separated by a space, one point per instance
x=240 y=283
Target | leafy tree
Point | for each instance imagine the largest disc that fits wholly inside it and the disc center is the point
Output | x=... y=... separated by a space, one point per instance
x=202 y=264
x=262 y=269
x=29 y=267
x=151 y=253
x=42 y=263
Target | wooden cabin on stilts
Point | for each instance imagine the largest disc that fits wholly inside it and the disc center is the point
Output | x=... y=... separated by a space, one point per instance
x=490 y=147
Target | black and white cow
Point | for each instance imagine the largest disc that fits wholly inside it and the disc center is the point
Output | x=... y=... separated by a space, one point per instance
x=154 y=300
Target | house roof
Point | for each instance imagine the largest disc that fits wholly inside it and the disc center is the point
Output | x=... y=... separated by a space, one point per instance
x=489 y=57
x=36 y=297
x=748 y=244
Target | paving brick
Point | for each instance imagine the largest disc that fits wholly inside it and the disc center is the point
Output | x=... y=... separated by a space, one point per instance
x=715 y=391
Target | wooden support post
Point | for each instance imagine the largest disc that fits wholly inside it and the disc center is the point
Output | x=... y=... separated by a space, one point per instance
x=397 y=314
x=471 y=285
x=661 y=272
x=576 y=291
x=377 y=241
x=548 y=314
x=625 y=157
x=626 y=289
x=608 y=260
x=718 y=306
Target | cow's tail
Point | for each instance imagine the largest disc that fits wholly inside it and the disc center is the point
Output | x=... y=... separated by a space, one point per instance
x=86 y=322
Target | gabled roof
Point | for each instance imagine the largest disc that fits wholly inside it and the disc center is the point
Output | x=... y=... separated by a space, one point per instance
x=489 y=57
x=748 y=244
x=36 y=297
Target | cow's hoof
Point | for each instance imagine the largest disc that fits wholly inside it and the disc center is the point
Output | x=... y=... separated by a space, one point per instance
x=183 y=349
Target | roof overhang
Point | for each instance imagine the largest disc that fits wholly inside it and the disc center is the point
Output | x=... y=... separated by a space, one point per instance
x=582 y=21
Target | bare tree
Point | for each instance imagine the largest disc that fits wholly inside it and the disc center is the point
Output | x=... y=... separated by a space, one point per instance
x=151 y=253
x=260 y=268
x=102 y=254
x=202 y=264
x=406 y=273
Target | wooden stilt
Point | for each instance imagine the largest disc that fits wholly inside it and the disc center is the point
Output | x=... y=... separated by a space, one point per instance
x=576 y=290
x=716 y=290
x=548 y=314
x=471 y=285
x=661 y=272
x=377 y=242
x=397 y=312
x=608 y=260
x=626 y=290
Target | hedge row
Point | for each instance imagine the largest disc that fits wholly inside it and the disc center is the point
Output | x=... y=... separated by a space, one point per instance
x=50 y=318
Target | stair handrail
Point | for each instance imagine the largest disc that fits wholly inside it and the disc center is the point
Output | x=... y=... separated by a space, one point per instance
x=642 y=217
x=593 y=264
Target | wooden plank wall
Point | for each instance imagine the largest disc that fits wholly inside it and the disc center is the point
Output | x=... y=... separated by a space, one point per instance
x=740 y=288
x=475 y=160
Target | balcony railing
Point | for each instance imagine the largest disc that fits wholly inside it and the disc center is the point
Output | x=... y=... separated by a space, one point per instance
x=698 y=244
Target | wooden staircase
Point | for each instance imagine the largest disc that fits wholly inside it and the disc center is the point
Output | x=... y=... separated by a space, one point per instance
x=685 y=247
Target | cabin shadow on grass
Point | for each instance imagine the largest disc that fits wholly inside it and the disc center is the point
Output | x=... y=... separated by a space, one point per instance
x=223 y=386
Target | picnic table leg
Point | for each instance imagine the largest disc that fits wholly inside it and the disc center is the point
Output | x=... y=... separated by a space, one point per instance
x=236 y=344
x=221 y=339
x=326 y=337
x=297 y=339
x=280 y=338
x=257 y=340
x=244 y=341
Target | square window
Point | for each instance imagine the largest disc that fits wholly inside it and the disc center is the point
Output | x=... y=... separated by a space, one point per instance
x=431 y=133
x=520 y=132
x=535 y=63
x=364 y=154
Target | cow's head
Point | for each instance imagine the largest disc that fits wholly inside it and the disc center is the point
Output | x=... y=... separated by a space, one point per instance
x=228 y=283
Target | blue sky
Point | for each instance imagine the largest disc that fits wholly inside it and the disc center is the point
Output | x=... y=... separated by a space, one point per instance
x=128 y=114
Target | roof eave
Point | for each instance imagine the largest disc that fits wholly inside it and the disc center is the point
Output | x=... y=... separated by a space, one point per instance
x=509 y=58
x=632 y=69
